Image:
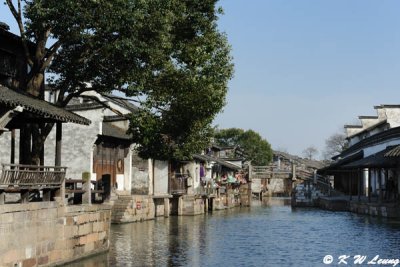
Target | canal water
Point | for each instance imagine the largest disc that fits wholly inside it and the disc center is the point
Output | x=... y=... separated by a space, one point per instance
x=267 y=234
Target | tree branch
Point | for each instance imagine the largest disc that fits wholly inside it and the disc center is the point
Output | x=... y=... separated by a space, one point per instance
x=65 y=101
x=50 y=55
x=18 y=17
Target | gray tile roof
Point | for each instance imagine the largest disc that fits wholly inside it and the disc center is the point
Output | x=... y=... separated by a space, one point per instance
x=377 y=160
x=122 y=102
x=113 y=131
x=11 y=99
x=394 y=152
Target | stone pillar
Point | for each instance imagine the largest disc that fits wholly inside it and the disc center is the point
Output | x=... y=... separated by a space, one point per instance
x=366 y=182
x=166 y=207
x=180 y=205
x=87 y=196
x=2 y=198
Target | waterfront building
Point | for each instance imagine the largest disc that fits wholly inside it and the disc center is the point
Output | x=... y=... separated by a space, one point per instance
x=105 y=151
x=368 y=170
x=206 y=182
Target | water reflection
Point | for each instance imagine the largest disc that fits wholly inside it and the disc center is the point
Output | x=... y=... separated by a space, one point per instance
x=269 y=233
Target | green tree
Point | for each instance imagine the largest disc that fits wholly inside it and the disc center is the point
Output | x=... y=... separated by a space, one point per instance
x=166 y=54
x=255 y=148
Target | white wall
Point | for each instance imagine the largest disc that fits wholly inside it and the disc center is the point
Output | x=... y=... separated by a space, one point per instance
x=77 y=144
x=5 y=147
x=160 y=177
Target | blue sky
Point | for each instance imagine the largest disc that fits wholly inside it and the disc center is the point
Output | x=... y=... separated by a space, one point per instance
x=305 y=68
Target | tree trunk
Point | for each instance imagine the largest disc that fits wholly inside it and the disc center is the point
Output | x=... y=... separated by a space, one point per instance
x=32 y=138
x=35 y=85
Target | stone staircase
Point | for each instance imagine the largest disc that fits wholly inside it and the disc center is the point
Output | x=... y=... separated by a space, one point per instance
x=131 y=208
x=122 y=203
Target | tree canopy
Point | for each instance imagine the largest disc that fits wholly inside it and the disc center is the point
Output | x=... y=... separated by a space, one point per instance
x=168 y=55
x=255 y=148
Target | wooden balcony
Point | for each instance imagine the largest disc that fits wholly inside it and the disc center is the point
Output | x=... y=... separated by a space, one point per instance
x=31 y=177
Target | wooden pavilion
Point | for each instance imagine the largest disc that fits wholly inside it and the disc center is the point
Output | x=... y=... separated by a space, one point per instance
x=16 y=110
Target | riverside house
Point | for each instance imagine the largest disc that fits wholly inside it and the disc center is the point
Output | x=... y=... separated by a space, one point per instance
x=204 y=183
x=369 y=170
x=37 y=227
x=106 y=152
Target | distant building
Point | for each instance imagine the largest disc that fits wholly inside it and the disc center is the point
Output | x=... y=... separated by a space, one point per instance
x=370 y=166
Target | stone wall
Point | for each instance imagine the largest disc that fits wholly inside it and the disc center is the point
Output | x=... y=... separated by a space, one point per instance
x=44 y=233
x=389 y=210
x=192 y=205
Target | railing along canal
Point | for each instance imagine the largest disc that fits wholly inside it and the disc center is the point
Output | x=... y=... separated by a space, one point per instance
x=29 y=176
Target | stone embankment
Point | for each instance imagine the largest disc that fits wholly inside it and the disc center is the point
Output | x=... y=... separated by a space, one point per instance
x=310 y=196
x=45 y=233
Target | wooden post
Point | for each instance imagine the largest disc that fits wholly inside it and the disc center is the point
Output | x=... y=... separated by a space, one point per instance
x=380 y=186
x=60 y=193
x=58 y=143
x=12 y=157
x=350 y=187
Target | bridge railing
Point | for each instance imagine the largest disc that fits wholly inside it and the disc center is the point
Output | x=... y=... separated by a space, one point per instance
x=267 y=172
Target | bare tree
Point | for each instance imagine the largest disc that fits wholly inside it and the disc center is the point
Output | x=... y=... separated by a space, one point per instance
x=310 y=152
x=335 y=144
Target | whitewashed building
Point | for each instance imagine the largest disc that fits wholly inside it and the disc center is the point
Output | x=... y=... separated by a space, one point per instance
x=370 y=165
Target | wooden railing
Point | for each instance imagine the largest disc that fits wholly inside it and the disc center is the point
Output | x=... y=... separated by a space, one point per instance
x=80 y=191
x=28 y=176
